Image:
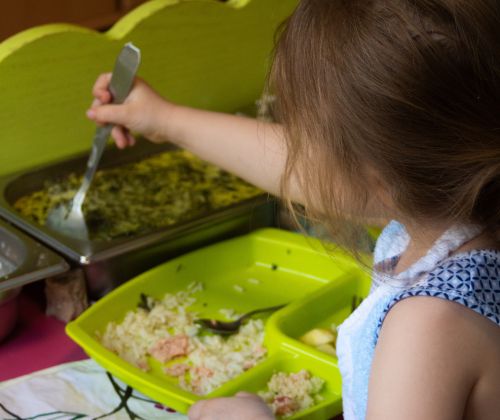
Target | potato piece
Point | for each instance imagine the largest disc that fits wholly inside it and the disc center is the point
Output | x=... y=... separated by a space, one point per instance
x=318 y=336
x=328 y=349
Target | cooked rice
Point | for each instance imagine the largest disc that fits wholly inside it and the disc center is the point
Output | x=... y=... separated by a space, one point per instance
x=211 y=360
x=289 y=393
x=215 y=359
x=229 y=314
x=238 y=288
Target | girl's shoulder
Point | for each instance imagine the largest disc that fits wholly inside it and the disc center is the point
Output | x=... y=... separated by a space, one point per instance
x=434 y=343
x=422 y=318
x=471 y=279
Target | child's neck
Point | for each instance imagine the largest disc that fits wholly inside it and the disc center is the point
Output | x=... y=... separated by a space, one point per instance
x=423 y=237
x=421 y=240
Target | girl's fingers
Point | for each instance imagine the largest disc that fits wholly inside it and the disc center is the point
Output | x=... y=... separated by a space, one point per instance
x=246 y=395
x=101 y=88
x=114 y=114
x=130 y=138
x=95 y=103
x=196 y=410
x=101 y=83
x=121 y=139
x=104 y=97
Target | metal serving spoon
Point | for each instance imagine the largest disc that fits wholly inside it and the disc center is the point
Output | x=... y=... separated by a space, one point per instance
x=70 y=220
x=232 y=327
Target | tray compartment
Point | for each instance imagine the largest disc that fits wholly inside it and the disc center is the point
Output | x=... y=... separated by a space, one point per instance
x=256 y=379
x=331 y=304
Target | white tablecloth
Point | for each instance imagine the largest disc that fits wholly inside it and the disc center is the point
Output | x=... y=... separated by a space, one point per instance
x=76 y=391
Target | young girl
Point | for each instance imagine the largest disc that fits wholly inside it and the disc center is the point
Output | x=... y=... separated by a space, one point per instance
x=387 y=109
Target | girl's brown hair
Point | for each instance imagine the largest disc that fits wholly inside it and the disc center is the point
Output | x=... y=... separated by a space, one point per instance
x=408 y=90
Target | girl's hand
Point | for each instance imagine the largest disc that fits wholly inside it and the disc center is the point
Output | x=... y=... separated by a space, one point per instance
x=243 y=406
x=142 y=112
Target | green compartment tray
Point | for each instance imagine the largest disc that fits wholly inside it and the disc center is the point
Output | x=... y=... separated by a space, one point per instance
x=320 y=287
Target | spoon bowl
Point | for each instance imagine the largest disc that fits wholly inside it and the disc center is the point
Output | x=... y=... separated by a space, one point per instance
x=232 y=327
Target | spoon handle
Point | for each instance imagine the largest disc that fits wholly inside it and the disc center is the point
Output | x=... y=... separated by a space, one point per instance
x=258 y=311
x=101 y=137
x=122 y=80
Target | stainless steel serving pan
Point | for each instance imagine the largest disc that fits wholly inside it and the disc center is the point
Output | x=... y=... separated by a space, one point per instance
x=107 y=264
x=22 y=261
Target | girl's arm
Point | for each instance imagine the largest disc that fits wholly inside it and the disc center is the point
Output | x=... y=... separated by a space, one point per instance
x=425 y=363
x=249 y=148
x=252 y=149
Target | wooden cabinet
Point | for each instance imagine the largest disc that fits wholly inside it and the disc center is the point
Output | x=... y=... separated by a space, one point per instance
x=17 y=15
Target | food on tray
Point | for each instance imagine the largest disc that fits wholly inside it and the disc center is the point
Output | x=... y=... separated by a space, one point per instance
x=328 y=349
x=289 y=393
x=317 y=337
x=144 y=196
x=238 y=288
x=169 y=348
x=322 y=339
x=165 y=330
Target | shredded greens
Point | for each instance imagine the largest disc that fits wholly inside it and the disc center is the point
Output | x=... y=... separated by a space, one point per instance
x=141 y=197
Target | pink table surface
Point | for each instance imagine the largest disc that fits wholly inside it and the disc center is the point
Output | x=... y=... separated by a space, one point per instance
x=38 y=341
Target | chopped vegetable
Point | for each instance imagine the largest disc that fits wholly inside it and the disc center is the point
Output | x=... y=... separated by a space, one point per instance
x=318 y=337
x=141 y=197
x=322 y=339
x=328 y=349
x=238 y=288
x=144 y=302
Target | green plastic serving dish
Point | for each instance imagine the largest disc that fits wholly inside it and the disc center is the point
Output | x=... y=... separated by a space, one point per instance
x=320 y=287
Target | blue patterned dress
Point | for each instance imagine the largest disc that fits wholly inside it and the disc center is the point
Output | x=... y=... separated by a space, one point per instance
x=471 y=278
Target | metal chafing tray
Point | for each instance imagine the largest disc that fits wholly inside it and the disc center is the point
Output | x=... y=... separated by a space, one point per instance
x=108 y=264
x=23 y=260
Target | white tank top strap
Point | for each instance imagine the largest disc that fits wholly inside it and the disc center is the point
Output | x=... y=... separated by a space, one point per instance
x=447 y=244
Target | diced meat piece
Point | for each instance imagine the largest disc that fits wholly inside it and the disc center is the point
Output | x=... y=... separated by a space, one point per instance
x=203 y=371
x=284 y=405
x=248 y=365
x=143 y=365
x=177 y=370
x=259 y=351
x=169 y=348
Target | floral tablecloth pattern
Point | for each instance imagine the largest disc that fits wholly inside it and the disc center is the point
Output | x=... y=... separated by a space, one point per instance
x=78 y=390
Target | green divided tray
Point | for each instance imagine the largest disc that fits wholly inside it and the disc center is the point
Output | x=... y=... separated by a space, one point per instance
x=320 y=287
